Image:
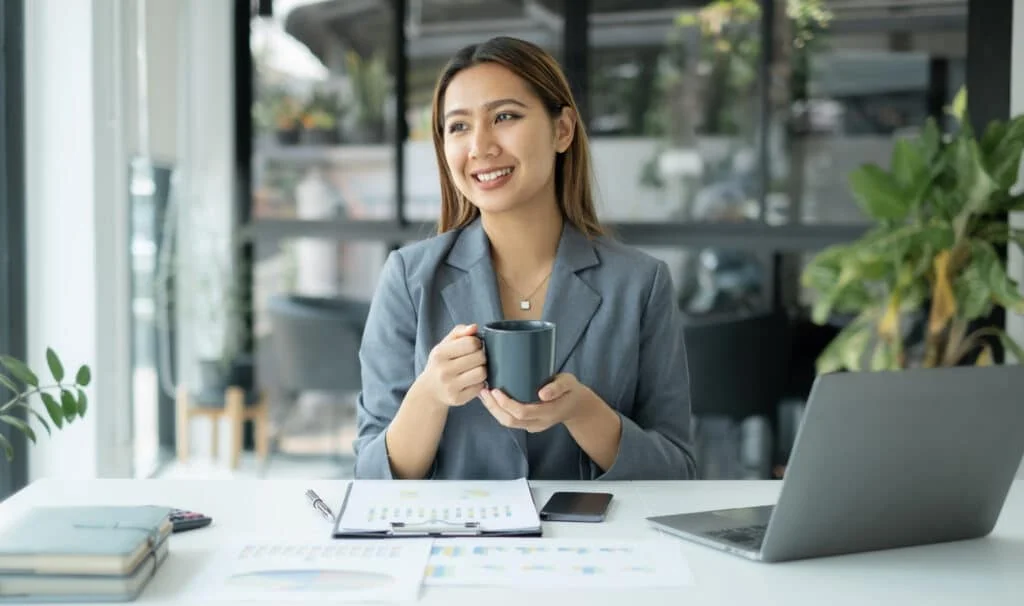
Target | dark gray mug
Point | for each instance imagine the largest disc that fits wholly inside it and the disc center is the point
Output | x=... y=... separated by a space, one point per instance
x=520 y=357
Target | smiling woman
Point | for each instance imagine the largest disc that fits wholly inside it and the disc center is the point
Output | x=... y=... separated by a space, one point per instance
x=517 y=216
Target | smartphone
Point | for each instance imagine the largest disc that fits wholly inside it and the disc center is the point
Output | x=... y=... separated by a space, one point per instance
x=576 y=507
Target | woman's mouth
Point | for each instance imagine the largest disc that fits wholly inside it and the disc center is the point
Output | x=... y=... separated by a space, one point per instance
x=492 y=179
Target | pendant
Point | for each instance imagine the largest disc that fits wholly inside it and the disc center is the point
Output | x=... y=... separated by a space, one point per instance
x=524 y=305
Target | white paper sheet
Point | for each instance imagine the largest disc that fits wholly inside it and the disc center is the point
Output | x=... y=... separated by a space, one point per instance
x=332 y=572
x=447 y=504
x=556 y=563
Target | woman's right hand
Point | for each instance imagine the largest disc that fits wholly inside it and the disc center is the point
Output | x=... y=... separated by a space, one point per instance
x=456 y=368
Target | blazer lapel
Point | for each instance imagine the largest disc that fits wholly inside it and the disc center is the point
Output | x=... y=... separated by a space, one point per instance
x=472 y=297
x=570 y=302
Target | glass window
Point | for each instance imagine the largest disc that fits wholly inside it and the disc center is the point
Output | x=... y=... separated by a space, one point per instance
x=673 y=109
x=322 y=117
x=847 y=81
x=436 y=30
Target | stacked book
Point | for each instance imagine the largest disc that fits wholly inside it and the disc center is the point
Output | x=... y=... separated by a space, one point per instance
x=82 y=554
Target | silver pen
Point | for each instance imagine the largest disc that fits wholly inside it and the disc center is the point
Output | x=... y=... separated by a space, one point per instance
x=319 y=505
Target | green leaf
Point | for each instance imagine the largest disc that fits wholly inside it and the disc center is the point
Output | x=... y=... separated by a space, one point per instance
x=83 y=403
x=9 y=384
x=908 y=164
x=20 y=426
x=1010 y=345
x=878 y=193
x=844 y=346
x=69 y=405
x=958 y=109
x=56 y=368
x=20 y=371
x=973 y=183
x=38 y=416
x=931 y=139
x=884 y=356
x=53 y=409
x=973 y=295
x=1002 y=155
x=83 y=376
x=8 y=449
x=1004 y=289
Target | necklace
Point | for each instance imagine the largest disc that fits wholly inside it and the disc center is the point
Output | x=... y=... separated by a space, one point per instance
x=524 y=302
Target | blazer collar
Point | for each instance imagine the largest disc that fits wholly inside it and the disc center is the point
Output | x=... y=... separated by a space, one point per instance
x=570 y=302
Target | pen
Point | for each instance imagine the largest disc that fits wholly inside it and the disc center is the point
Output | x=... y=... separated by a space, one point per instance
x=319 y=505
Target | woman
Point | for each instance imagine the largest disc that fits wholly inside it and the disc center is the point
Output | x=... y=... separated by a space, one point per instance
x=519 y=239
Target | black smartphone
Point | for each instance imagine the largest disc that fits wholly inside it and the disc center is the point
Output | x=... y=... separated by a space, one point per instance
x=576 y=507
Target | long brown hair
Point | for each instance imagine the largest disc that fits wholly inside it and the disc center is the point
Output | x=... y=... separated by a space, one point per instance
x=573 y=189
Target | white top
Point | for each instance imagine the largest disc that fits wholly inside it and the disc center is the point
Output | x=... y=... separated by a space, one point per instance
x=986 y=571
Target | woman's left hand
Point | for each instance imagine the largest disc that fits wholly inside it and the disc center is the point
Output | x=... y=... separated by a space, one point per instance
x=563 y=399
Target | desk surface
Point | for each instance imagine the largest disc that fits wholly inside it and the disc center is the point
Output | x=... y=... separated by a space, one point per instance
x=987 y=571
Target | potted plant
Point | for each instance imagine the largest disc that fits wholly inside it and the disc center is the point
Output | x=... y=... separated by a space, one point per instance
x=370 y=87
x=63 y=400
x=287 y=113
x=320 y=118
x=941 y=218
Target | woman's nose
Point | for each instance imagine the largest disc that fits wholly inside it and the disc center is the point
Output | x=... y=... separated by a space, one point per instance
x=482 y=144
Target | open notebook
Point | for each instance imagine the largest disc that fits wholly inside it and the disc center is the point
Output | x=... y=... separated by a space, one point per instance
x=402 y=508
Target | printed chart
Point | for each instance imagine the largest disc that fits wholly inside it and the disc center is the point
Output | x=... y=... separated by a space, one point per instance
x=556 y=563
x=335 y=571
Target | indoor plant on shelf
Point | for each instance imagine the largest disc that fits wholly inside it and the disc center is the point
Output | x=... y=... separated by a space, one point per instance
x=941 y=212
x=62 y=400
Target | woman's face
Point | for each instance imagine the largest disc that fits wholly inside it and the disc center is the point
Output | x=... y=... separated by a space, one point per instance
x=500 y=141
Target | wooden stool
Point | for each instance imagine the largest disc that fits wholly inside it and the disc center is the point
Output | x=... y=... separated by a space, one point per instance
x=236 y=412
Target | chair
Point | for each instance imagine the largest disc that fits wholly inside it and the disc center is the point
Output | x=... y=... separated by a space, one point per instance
x=738 y=369
x=314 y=344
x=235 y=402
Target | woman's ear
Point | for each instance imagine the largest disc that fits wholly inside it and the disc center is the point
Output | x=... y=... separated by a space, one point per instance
x=565 y=129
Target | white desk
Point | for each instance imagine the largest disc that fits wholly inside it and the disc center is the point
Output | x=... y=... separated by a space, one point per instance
x=988 y=571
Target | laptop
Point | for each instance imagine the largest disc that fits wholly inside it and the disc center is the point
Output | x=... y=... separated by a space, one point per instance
x=882 y=460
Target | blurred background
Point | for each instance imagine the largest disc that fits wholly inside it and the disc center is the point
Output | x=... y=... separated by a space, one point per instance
x=252 y=162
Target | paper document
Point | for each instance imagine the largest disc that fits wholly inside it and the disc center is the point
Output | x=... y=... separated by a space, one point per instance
x=553 y=563
x=337 y=571
x=491 y=506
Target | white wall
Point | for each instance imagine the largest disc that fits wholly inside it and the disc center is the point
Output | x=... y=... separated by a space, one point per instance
x=73 y=221
x=1014 y=323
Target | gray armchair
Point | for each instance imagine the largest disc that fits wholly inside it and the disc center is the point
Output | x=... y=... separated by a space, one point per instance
x=314 y=345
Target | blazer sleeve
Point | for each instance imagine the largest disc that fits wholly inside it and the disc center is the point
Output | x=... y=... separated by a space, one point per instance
x=655 y=443
x=386 y=358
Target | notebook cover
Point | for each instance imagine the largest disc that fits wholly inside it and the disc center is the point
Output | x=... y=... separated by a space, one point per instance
x=105 y=540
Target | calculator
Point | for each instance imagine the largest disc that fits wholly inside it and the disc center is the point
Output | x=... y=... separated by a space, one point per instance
x=183 y=519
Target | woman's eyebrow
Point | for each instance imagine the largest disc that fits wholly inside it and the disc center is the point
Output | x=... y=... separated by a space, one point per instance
x=490 y=105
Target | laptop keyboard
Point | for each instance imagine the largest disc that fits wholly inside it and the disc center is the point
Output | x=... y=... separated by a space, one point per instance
x=748 y=536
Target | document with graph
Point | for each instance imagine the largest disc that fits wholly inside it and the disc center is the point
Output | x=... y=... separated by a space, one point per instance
x=438 y=508
x=557 y=563
x=320 y=572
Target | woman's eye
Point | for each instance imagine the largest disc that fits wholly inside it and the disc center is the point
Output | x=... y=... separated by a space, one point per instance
x=503 y=116
x=456 y=127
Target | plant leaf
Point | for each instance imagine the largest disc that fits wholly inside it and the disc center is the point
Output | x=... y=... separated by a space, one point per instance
x=973 y=182
x=1004 y=289
x=83 y=376
x=9 y=384
x=8 y=449
x=69 y=406
x=38 y=416
x=838 y=351
x=20 y=371
x=53 y=409
x=56 y=368
x=878 y=193
x=1011 y=346
x=985 y=357
x=907 y=163
x=20 y=426
x=958 y=109
x=83 y=403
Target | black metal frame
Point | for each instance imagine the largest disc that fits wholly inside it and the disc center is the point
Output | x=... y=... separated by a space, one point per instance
x=13 y=475
x=988 y=40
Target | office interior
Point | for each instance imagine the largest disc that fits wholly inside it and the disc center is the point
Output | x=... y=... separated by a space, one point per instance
x=202 y=193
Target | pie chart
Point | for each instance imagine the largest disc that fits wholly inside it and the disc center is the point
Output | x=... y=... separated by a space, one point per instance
x=310 y=580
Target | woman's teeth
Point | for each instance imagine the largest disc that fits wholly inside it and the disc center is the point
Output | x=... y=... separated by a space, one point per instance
x=491 y=176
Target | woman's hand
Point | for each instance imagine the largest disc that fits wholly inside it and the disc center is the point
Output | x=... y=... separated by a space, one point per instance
x=561 y=400
x=456 y=368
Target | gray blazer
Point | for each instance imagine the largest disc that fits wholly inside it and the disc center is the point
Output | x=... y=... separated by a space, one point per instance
x=619 y=332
